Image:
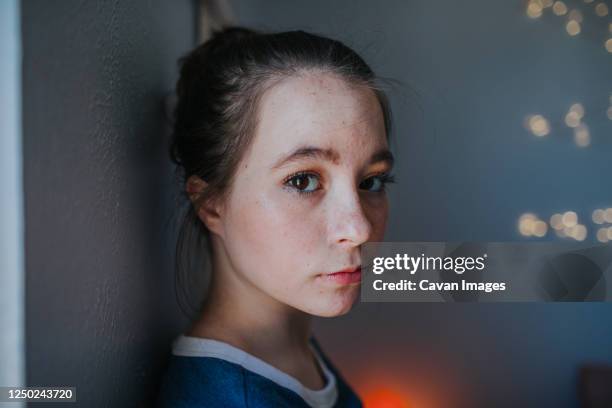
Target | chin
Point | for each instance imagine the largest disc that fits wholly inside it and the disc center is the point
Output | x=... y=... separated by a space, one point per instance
x=336 y=304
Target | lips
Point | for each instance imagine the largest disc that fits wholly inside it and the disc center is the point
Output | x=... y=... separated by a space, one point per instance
x=349 y=270
x=345 y=276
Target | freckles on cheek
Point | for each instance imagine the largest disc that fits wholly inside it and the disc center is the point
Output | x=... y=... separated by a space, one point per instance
x=277 y=230
x=286 y=235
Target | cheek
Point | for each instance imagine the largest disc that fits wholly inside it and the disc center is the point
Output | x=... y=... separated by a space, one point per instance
x=274 y=234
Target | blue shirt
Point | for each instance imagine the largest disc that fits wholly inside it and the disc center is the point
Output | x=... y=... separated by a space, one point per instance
x=195 y=379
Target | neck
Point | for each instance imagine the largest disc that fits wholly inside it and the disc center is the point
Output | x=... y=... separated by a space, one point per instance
x=239 y=313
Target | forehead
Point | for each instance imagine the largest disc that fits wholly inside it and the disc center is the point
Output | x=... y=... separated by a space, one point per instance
x=318 y=109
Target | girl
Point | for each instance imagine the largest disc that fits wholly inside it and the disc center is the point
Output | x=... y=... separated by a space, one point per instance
x=283 y=143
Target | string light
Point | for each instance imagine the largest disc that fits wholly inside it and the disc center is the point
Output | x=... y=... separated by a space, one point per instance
x=576 y=16
x=578 y=232
x=602 y=235
x=525 y=224
x=569 y=218
x=574 y=115
x=572 y=27
x=530 y=225
x=538 y=125
x=540 y=228
x=559 y=8
x=578 y=109
x=608 y=215
x=567 y=225
x=572 y=120
x=598 y=216
x=601 y=9
x=534 y=9
x=556 y=221
x=582 y=136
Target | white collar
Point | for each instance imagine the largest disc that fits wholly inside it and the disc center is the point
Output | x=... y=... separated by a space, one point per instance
x=326 y=397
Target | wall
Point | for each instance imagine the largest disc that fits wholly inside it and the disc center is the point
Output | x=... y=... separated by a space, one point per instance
x=99 y=198
x=470 y=72
x=11 y=202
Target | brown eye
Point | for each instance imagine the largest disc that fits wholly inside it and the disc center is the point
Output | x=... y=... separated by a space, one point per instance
x=367 y=183
x=304 y=182
x=376 y=184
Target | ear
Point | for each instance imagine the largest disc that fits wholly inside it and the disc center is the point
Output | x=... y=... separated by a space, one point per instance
x=207 y=211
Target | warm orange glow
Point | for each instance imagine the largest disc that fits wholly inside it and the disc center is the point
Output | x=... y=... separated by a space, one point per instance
x=385 y=398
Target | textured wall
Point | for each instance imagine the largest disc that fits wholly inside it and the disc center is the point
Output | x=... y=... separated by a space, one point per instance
x=98 y=203
x=467 y=169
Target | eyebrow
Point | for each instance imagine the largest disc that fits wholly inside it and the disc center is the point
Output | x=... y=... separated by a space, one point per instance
x=313 y=152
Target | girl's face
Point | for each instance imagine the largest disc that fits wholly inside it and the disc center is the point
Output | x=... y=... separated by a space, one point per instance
x=308 y=193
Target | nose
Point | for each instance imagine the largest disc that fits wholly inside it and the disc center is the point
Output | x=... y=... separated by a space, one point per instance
x=348 y=223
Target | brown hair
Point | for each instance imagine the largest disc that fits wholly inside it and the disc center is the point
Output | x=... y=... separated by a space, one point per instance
x=220 y=84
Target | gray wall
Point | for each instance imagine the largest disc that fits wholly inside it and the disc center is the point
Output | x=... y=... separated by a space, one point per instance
x=11 y=202
x=98 y=203
x=466 y=170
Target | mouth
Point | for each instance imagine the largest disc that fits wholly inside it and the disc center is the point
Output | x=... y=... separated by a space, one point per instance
x=345 y=276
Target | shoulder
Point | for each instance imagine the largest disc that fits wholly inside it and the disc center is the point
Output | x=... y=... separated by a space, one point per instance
x=193 y=382
x=346 y=396
x=202 y=381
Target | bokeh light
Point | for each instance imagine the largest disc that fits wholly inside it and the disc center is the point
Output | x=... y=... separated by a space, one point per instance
x=529 y=225
x=534 y=9
x=572 y=120
x=582 y=136
x=572 y=27
x=608 y=215
x=559 y=8
x=598 y=216
x=575 y=15
x=574 y=115
x=538 y=125
x=601 y=9
x=602 y=235
x=557 y=223
x=540 y=228
x=578 y=232
x=569 y=218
